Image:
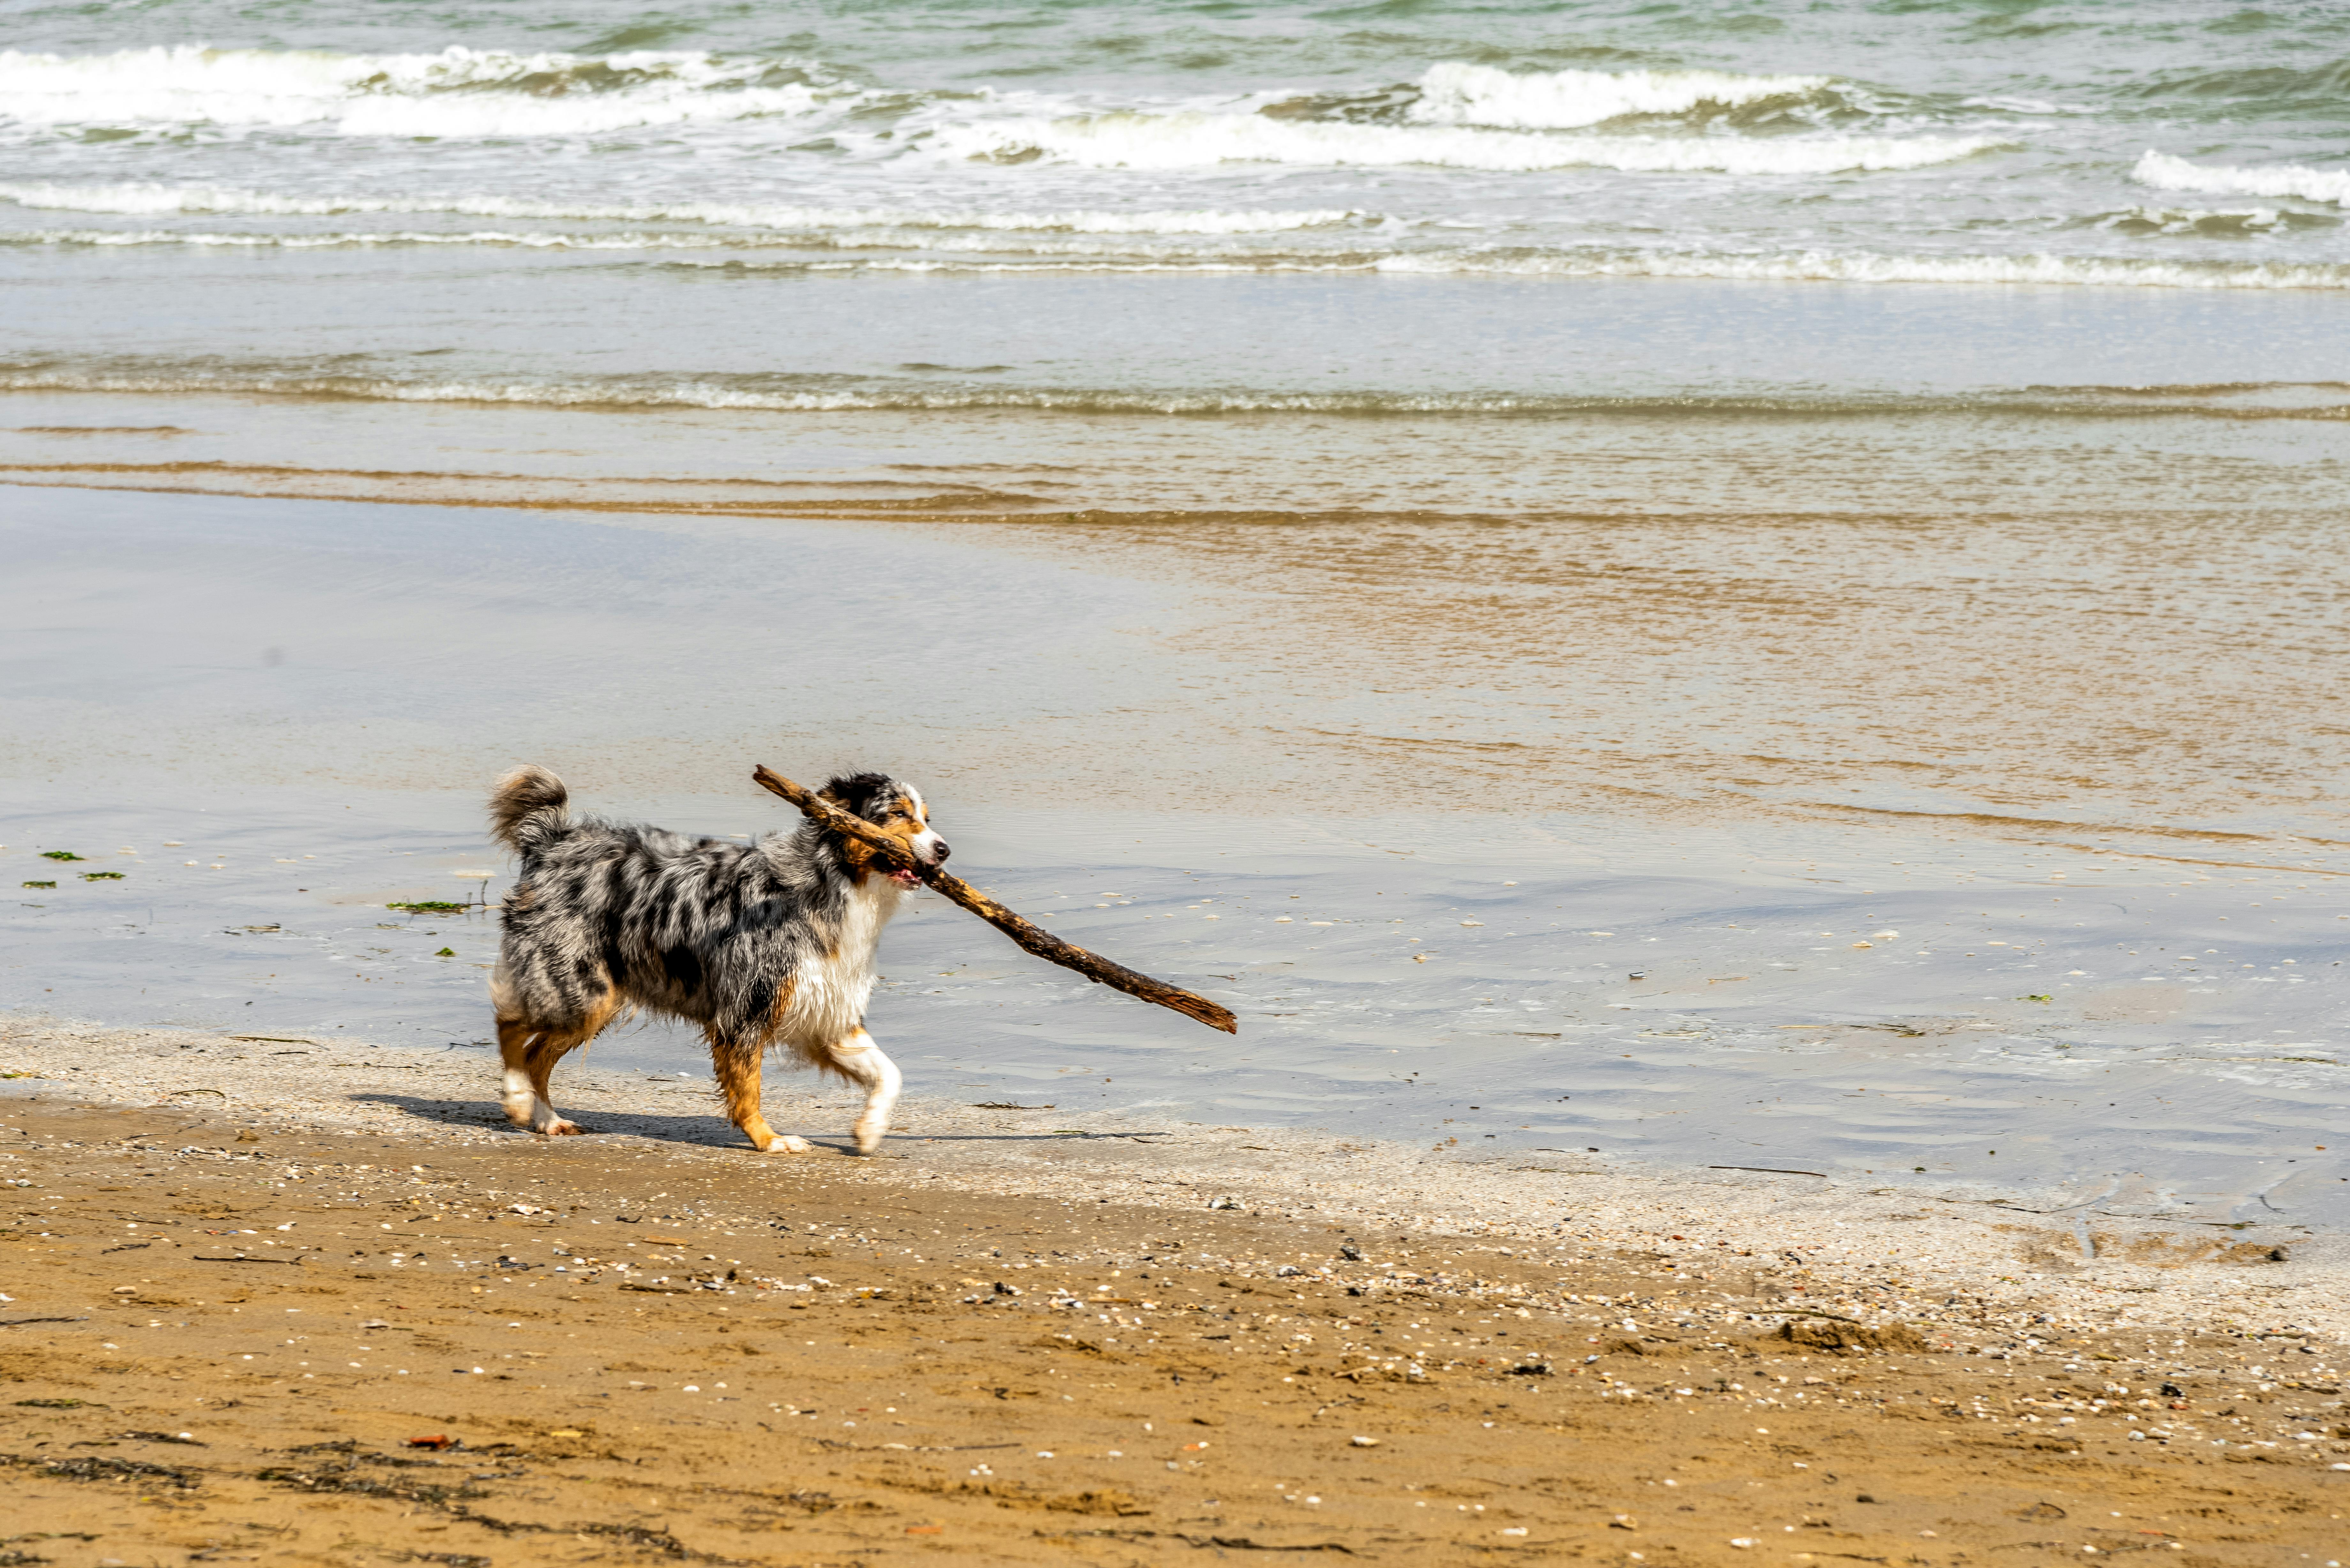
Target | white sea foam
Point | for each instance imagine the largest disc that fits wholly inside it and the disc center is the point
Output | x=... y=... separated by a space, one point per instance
x=688 y=393
x=1454 y=93
x=1845 y=266
x=779 y=394
x=967 y=252
x=458 y=92
x=1191 y=141
x=2165 y=172
x=2204 y=222
x=1084 y=253
x=157 y=200
x=1801 y=267
x=330 y=241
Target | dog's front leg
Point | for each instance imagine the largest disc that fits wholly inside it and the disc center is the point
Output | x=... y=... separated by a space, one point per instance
x=862 y=1061
x=737 y=1071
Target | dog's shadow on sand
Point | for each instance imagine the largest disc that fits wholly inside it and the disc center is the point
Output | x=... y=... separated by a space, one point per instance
x=700 y=1130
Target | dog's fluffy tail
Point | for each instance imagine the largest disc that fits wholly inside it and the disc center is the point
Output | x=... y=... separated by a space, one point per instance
x=526 y=809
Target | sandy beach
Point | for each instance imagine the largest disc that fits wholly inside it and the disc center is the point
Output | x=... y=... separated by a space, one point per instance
x=1719 y=627
x=1101 y=1343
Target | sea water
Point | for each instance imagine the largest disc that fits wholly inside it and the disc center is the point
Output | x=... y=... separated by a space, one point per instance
x=582 y=205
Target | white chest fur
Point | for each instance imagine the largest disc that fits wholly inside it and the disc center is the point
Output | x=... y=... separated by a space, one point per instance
x=828 y=997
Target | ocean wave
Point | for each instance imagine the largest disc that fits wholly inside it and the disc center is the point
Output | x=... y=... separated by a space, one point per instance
x=2165 y=172
x=1197 y=140
x=1849 y=267
x=147 y=200
x=458 y=92
x=1029 y=253
x=1084 y=253
x=335 y=241
x=2320 y=86
x=1799 y=266
x=1455 y=93
x=2204 y=224
x=787 y=393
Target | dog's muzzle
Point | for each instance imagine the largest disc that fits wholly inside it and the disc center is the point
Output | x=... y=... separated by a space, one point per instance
x=930 y=850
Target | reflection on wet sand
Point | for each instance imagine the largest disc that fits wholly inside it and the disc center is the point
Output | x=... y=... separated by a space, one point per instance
x=2102 y=629
x=1468 y=826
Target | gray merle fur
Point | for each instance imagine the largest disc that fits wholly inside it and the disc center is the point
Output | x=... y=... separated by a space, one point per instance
x=764 y=945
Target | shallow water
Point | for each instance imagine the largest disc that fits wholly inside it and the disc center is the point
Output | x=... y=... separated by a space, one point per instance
x=310 y=699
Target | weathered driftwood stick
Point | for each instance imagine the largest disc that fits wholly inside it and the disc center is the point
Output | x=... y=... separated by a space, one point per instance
x=1036 y=938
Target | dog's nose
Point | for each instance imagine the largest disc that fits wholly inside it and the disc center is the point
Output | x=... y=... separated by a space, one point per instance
x=938 y=853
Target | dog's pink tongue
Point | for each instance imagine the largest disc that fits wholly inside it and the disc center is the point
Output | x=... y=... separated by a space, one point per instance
x=905 y=878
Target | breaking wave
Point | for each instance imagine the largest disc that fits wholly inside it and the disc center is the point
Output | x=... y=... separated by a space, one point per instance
x=333 y=241
x=2198 y=223
x=144 y=200
x=1845 y=267
x=1029 y=253
x=1197 y=140
x=2165 y=172
x=458 y=92
x=1802 y=266
x=1453 y=93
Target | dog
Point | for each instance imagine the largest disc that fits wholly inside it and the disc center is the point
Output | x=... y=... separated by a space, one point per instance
x=767 y=946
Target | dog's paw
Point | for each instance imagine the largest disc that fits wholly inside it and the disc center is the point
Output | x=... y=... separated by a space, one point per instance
x=788 y=1145
x=869 y=1138
x=559 y=1127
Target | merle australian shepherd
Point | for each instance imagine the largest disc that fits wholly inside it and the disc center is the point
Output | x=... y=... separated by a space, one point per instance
x=767 y=946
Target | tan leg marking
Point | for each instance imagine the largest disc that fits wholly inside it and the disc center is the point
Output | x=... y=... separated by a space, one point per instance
x=529 y=1055
x=737 y=1071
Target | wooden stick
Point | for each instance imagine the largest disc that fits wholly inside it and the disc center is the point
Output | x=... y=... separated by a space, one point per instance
x=1036 y=938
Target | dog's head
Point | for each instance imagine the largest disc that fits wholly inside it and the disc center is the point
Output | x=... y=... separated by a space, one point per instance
x=894 y=806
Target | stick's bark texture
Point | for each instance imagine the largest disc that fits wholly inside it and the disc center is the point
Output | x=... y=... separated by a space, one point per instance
x=1036 y=938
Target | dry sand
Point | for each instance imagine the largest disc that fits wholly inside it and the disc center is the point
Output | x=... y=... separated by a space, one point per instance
x=242 y=1285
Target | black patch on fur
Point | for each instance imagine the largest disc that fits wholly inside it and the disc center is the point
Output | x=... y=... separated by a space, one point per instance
x=861 y=793
x=683 y=969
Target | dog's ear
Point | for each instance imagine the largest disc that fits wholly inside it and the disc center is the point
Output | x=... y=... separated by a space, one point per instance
x=857 y=793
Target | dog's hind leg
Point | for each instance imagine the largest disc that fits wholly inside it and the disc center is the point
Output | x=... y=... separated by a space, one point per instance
x=859 y=1060
x=519 y=1096
x=736 y=1067
x=530 y=1052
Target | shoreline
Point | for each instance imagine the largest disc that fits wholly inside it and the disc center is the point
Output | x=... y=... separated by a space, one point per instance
x=1823 y=1244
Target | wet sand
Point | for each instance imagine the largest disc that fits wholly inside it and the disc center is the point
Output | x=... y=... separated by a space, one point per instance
x=260 y=722
x=2043 y=617
x=1111 y=1343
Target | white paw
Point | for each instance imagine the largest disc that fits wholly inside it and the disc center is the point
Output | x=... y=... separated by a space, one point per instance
x=787 y=1143
x=559 y=1127
x=868 y=1136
